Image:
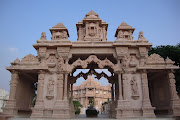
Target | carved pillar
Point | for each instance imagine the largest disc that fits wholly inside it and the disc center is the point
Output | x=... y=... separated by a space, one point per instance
x=127 y=111
x=120 y=86
x=174 y=102
x=37 y=111
x=148 y=110
x=65 y=86
x=10 y=107
x=60 y=86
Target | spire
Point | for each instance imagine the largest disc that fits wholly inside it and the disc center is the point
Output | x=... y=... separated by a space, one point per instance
x=59 y=31
x=59 y=25
x=91 y=13
x=124 y=25
x=124 y=32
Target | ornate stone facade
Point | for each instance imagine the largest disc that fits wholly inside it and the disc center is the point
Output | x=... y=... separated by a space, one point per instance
x=91 y=90
x=142 y=85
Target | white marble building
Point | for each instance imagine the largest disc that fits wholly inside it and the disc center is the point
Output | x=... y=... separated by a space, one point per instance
x=4 y=95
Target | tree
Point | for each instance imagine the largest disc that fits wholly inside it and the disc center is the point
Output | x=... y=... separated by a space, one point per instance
x=77 y=106
x=173 y=52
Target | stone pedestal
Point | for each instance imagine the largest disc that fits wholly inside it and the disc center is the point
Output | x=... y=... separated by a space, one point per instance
x=61 y=110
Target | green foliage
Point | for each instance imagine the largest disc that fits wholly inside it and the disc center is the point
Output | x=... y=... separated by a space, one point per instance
x=77 y=106
x=91 y=102
x=173 y=52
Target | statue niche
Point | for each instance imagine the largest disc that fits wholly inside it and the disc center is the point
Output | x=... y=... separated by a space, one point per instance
x=59 y=35
x=50 y=89
x=51 y=61
x=134 y=88
x=92 y=30
x=133 y=61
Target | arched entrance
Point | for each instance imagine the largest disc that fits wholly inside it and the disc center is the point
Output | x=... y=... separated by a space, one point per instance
x=92 y=62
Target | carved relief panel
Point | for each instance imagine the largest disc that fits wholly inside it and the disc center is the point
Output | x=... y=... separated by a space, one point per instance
x=51 y=61
x=50 y=88
x=134 y=88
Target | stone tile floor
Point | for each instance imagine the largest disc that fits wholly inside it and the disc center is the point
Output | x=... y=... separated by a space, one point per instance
x=100 y=117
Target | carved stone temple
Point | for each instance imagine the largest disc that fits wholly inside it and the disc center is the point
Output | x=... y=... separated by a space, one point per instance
x=144 y=86
x=91 y=90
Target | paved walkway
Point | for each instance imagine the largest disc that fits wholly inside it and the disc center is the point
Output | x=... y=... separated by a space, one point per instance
x=83 y=116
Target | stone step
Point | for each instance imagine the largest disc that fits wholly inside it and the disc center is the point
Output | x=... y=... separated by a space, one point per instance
x=95 y=119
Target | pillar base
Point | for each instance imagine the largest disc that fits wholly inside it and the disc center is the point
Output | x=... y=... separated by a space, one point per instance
x=124 y=110
x=175 y=109
x=61 y=110
x=148 y=112
x=10 y=108
x=38 y=110
x=37 y=113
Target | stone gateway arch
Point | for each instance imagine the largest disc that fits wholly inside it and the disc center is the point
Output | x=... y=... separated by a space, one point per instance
x=142 y=85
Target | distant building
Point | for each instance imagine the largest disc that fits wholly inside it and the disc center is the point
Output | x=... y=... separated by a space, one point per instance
x=4 y=95
x=91 y=90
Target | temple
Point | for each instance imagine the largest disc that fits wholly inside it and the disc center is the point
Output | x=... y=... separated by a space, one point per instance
x=141 y=85
x=91 y=90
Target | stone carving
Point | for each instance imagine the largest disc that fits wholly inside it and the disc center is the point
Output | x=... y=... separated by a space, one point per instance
x=134 y=88
x=42 y=52
x=120 y=34
x=93 y=58
x=91 y=71
x=124 y=32
x=52 y=62
x=60 y=35
x=61 y=63
x=141 y=36
x=125 y=62
x=89 y=30
x=155 y=59
x=41 y=78
x=59 y=32
x=14 y=78
x=43 y=36
x=50 y=88
x=143 y=51
x=60 y=80
x=29 y=59
x=133 y=61
x=142 y=61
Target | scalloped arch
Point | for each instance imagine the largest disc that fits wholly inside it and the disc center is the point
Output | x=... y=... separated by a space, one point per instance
x=93 y=58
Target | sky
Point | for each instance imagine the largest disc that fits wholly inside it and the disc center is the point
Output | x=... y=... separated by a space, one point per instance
x=22 y=21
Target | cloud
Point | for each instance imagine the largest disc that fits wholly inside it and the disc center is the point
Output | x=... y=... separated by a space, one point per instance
x=13 y=49
x=0 y=69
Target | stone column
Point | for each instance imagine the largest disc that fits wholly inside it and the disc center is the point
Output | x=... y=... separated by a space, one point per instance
x=37 y=111
x=65 y=86
x=60 y=87
x=127 y=111
x=120 y=86
x=10 y=107
x=174 y=102
x=148 y=110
